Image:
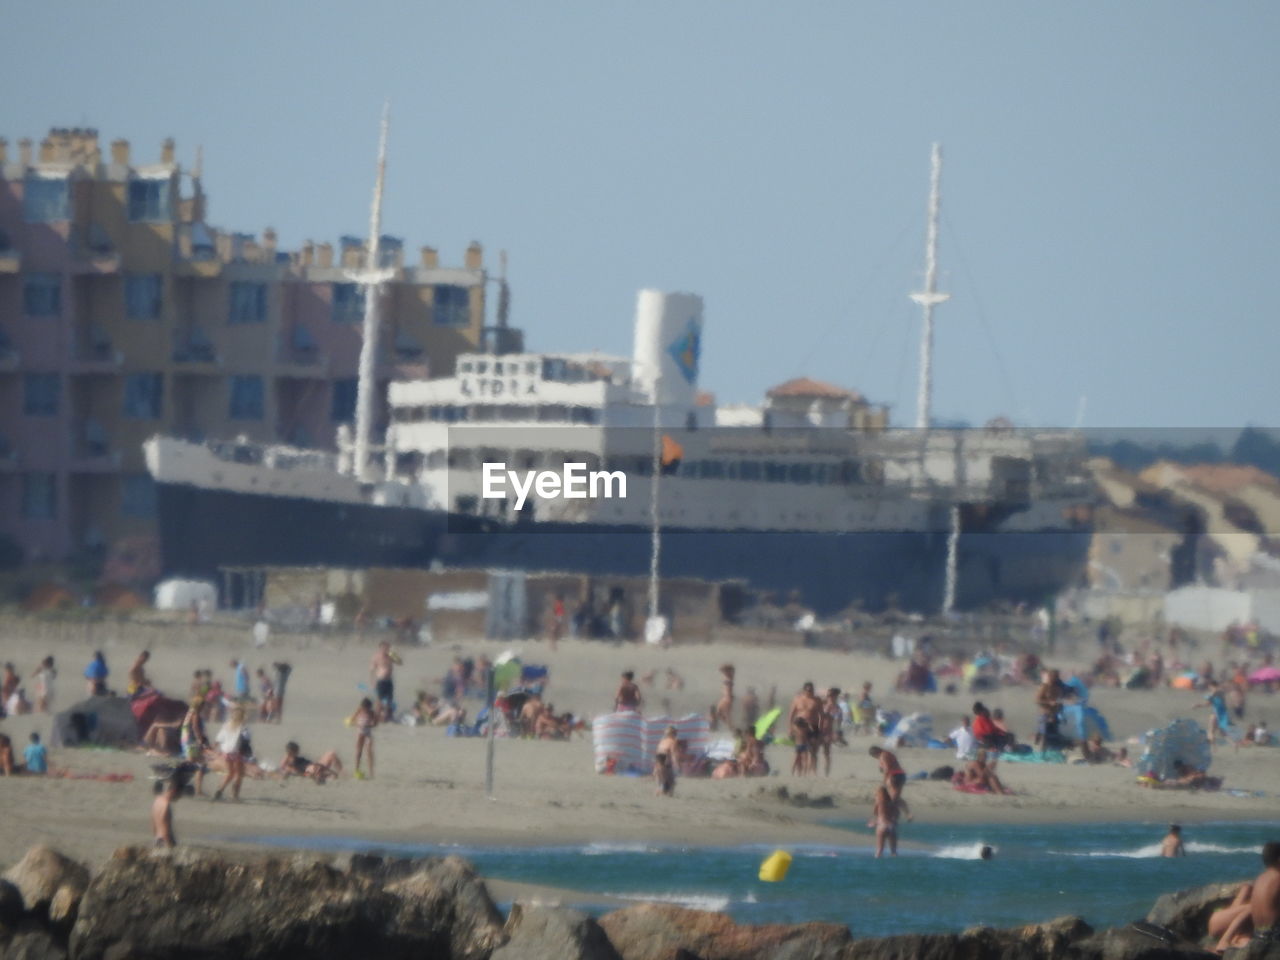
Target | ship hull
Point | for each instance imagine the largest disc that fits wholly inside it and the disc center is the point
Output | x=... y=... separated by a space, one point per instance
x=206 y=530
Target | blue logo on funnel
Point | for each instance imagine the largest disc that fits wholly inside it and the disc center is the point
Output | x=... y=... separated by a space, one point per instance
x=686 y=349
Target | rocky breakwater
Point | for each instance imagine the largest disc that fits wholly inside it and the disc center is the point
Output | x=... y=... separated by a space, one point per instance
x=146 y=905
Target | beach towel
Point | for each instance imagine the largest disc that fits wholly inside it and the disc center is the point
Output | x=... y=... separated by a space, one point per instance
x=1036 y=756
x=913 y=730
x=968 y=787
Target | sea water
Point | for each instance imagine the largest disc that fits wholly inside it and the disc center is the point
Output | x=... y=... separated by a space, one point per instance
x=1108 y=873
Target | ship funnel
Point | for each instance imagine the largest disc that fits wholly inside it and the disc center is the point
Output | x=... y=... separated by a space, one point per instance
x=668 y=346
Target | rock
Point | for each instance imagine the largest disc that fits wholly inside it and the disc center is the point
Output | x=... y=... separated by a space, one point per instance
x=553 y=933
x=449 y=896
x=40 y=873
x=11 y=908
x=1125 y=943
x=651 y=931
x=64 y=907
x=1255 y=951
x=152 y=904
x=1186 y=912
x=32 y=943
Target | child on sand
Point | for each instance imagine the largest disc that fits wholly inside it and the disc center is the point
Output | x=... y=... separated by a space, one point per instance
x=36 y=755
x=364 y=720
x=665 y=775
x=167 y=793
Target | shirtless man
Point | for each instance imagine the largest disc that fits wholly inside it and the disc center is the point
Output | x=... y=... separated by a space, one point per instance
x=894 y=776
x=1171 y=845
x=724 y=707
x=807 y=707
x=628 y=695
x=1256 y=908
x=381 y=668
x=138 y=673
x=884 y=818
x=668 y=742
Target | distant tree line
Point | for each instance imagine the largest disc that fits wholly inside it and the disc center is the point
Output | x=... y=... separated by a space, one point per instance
x=1253 y=447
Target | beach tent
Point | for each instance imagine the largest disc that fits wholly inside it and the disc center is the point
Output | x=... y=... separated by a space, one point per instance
x=1083 y=721
x=1181 y=742
x=102 y=721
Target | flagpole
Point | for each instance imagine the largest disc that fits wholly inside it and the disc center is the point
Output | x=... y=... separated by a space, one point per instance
x=655 y=532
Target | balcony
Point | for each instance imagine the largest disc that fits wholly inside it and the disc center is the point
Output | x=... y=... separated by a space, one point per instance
x=200 y=267
x=91 y=450
x=299 y=357
x=195 y=353
x=93 y=352
x=9 y=460
x=94 y=254
x=10 y=261
x=10 y=359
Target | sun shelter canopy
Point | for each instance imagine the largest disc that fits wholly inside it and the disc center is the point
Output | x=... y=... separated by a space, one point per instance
x=1182 y=743
x=99 y=721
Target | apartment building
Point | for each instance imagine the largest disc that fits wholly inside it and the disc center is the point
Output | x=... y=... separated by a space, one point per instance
x=123 y=314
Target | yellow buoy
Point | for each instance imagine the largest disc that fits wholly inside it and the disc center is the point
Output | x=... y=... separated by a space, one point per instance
x=775 y=866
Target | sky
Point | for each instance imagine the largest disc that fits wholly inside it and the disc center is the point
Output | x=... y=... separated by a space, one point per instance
x=1109 y=202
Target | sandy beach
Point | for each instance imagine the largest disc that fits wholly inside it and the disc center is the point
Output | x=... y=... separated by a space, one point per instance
x=429 y=787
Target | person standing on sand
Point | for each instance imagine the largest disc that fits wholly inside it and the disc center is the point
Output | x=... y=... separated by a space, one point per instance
x=558 y=620
x=723 y=713
x=43 y=679
x=381 y=669
x=138 y=680
x=628 y=695
x=233 y=741
x=282 y=671
x=665 y=775
x=364 y=720
x=1171 y=845
x=95 y=674
x=807 y=707
x=169 y=791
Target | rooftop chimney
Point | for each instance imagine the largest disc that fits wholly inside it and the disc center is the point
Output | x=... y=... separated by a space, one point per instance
x=24 y=151
x=430 y=258
x=166 y=151
x=475 y=256
x=46 y=150
x=324 y=255
x=4 y=151
x=120 y=153
x=269 y=242
x=308 y=253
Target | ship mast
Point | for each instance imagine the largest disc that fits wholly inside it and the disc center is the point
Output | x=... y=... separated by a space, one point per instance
x=929 y=297
x=371 y=277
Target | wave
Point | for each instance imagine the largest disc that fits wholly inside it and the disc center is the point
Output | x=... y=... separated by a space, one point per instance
x=1153 y=850
x=605 y=849
x=964 y=851
x=715 y=902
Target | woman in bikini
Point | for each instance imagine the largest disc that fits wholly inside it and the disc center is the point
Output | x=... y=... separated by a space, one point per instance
x=724 y=707
x=364 y=720
x=885 y=821
x=295 y=764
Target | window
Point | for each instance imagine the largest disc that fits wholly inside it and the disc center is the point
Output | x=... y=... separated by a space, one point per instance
x=342 y=407
x=452 y=306
x=246 y=398
x=39 y=496
x=149 y=201
x=142 y=296
x=348 y=303
x=143 y=396
x=46 y=200
x=40 y=394
x=248 y=303
x=42 y=295
x=138 y=496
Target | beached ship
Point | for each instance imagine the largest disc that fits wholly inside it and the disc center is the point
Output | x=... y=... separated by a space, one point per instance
x=811 y=494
